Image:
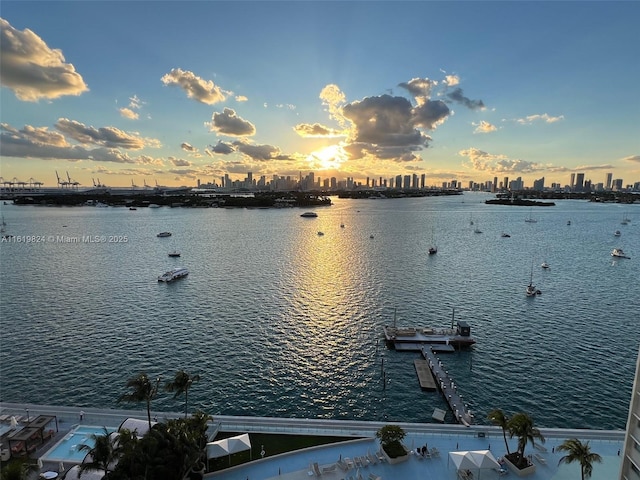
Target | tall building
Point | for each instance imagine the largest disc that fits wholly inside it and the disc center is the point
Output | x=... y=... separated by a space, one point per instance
x=579 y=185
x=573 y=180
x=630 y=468
x=608 y=183
x=505 y=184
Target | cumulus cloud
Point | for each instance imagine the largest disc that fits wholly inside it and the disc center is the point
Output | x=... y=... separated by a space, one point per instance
x=38 y=142
x=632 y=158
x=32 y=70
x=188 y=147
x=241 y=98
x=546 y=118
x=383 y=120
x=333 y=98
x=451 y=80
x=259 y=152
x=110 y=137
x=316 y=130
x=419 y=88
x=221 y=148
x=179 y=162
x=487 y=162
x=228 y=123
x=458 y=97
x=484 y=127
x=128 y=113
x=204 y=91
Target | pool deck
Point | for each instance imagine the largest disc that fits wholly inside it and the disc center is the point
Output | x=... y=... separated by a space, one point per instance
x=297 y=465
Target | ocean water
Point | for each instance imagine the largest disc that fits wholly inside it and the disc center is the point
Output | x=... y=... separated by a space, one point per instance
x=280 y=321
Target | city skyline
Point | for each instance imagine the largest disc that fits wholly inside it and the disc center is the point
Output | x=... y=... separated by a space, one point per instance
x=168 y=93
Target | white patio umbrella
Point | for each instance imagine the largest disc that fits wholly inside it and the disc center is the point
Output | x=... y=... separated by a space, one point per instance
x=14 y=422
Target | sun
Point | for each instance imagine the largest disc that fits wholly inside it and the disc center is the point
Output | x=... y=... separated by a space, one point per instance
x=328 y=158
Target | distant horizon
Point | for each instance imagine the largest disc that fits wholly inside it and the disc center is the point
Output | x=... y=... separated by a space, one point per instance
x=517 y=89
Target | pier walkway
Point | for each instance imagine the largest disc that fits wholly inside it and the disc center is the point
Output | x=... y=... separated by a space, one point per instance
x=448 y=388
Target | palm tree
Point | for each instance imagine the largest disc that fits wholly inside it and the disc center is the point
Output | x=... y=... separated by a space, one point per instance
x=181 y=384
x=103 y=455
x=497 y=417
x=581 y=453
x=521 y=426
x=143 y=390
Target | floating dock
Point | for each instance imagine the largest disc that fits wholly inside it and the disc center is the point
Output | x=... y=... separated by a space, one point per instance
x=424 y=375
x=414 y=339
x=448 y=388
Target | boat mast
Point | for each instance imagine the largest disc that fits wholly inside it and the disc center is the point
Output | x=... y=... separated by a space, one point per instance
x=453 y=314
x=394 y=317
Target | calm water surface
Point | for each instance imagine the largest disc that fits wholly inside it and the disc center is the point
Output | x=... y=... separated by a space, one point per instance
x=279 y=321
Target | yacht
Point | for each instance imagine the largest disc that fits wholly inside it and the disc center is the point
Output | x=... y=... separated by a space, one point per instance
x=164 y=234
x=477 y=230
x=173 y=274
x=309 y=215
x=568 y=222
x=433 y=250
x=530 y=219
x=619 y=253
x=617 y=233
x=545 y=265
x=175 y=253
x=532 y=291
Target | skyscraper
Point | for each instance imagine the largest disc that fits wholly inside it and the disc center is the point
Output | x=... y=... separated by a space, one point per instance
x=608 y=182
x=630 y=467
x=579 y=182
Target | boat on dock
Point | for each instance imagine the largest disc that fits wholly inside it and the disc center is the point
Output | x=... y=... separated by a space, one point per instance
x=442 y=339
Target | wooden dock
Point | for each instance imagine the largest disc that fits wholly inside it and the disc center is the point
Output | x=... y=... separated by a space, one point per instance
x=424 y=375
x=448 y=388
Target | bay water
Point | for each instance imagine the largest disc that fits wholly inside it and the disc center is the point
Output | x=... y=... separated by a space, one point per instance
x=278 y=320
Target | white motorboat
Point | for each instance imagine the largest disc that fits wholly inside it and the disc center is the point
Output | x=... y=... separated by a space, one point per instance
x=164 y=234
x=173 y=274
x=617 y=233
x=309 y=215
x=619 y=253
x=545 y=265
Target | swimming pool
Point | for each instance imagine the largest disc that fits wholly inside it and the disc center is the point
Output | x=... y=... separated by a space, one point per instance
x=68 y=449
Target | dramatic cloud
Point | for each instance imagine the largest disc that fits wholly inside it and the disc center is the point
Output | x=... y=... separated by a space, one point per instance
x=484 y=127
x=32 y=70
x=539 y=118
x=228 y=123
x=499 y=164
x=430 y=114
x=259 y=152
x=384 y=120
x=632 y=158
x=110 y=137
x=34 y=142
x=458 y=96
x=204 y=91
x=316 y=130
x=221 y=148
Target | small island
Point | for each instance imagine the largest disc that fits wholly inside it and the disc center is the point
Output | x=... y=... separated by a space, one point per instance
x=519 y=202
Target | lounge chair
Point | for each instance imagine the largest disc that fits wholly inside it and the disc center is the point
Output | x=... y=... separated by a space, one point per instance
x=373 y=476
x=343 y=465
x=540 y=458
x=435 y=452
x=349 y=462
x=381 y=456
x=360 y=477
x=316 y=469
x=365 y=461
x=330 y=468
x=357 y=461
x=372 y=458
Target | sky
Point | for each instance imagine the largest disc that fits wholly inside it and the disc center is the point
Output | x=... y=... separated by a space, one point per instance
x=132 y=93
